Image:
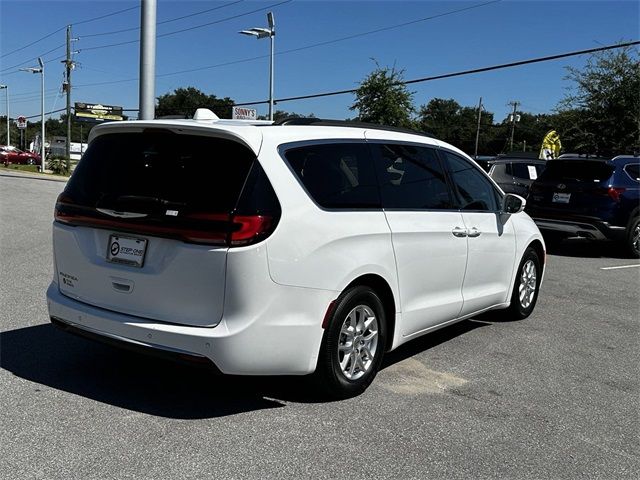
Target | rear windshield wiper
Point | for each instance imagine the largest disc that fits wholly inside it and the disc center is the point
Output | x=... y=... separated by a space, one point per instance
x=148 y=199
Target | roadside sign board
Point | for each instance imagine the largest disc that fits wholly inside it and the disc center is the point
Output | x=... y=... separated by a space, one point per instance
x=21 y=121
x=96 y=112
x=242 y=113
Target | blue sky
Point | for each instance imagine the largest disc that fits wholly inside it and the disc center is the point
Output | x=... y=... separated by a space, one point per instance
x=500 y=32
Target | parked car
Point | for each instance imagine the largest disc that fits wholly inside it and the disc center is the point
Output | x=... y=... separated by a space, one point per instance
x=299 y=247
x=13 y=155
x=595 y=199
x=515 y=175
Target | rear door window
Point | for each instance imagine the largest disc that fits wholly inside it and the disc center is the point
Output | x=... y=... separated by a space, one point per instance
x=475 y=191
x=336 y=175
x=411 y=177
x=526 y=171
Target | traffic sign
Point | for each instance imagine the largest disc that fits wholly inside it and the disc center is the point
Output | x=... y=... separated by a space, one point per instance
x=21 y=121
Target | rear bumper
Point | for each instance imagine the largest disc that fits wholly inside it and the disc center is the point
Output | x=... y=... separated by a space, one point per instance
x=161 y=351
x=592 y=229
x=283 y=340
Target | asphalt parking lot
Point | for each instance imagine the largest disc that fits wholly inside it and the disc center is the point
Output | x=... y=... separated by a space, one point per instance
x=551 y=397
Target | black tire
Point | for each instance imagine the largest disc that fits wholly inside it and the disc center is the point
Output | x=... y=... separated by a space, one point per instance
x=519 y=309
x=330 y=378
x=632 y=241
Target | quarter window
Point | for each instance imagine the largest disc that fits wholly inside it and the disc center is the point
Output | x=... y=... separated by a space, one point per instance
x=633 y=170
x=411 y=177
x=474 y=190
x=336 y=175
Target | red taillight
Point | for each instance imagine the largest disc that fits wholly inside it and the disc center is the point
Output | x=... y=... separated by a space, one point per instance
x=614 y=193
x=248 y=228
x=204 y=228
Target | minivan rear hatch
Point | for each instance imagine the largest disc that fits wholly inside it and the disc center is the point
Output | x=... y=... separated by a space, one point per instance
x=145 y=222
x=573 y=186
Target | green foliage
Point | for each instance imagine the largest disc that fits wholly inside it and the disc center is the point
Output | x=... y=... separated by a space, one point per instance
x=23 y=168
x=57 y=165
x=382 y=98
x=185 y=101
x=280 y=114
x=602 y=114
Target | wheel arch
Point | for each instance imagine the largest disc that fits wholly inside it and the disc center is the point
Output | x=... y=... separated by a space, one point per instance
x=540 y=251
x=383 y=289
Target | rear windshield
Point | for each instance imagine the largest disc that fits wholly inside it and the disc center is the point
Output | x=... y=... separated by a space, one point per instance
x=577 y=170
x=161 y=170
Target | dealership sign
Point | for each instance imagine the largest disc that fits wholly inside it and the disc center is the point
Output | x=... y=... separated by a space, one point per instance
x=242 y=113
x=21 y=121
x=95 y=112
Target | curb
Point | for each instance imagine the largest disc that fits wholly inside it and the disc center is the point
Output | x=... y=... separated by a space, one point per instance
x=32 y=175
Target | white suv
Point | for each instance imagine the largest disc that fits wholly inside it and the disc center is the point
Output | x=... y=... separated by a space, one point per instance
x=288 y=248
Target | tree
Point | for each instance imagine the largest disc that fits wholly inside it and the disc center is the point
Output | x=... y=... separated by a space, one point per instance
x=602 y=114
x=447 y=120
x=383 y=98
x=280 y=114
x=185 y=101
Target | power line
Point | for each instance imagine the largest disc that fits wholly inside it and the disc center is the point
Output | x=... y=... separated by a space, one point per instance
x=283 y=52
x=24 y=63
x=113 y=32
x=32 y=59
x=175 y=32
x=47 y=113
x=32 y=43
x=62 y=28
x=106 y=15
x=392 y=27
x=463 y=72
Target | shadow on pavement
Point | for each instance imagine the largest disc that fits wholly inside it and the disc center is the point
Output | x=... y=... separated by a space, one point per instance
x=430 y=340
x=154 y=386
x=586 y=249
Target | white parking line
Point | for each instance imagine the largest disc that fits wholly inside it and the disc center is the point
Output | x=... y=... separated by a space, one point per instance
x=620 y=266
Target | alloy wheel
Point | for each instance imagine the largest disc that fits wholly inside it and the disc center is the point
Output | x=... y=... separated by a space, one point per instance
x=528 y=283
x=358 y=342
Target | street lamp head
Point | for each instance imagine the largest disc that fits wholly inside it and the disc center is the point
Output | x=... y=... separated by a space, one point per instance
x=3 y=86
x=257 y=32
x=271 y=20
x=32 y=70
x=41 y=63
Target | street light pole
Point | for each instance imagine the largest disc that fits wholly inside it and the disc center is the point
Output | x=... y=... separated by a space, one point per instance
x=260 y=32
x=40 y=70
x=6 y=88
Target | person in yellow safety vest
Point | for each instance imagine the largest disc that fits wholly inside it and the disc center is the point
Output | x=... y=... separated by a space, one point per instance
x=550 y=146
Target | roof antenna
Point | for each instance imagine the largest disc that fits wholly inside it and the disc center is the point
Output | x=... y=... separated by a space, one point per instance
x=205 y=114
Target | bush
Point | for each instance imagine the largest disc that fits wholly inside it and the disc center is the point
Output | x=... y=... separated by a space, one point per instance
x=57 y=165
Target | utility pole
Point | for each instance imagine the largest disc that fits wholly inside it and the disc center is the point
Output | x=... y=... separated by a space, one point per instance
x=478 y=129
x=69 y=65
x=147 y=60
x=6 y=90
x=513 y=121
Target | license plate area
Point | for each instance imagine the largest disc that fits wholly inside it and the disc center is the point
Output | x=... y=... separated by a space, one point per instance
x=126 y=250
x=561 y=197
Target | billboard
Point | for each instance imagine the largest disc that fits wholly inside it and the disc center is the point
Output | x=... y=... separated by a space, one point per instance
x=97 y=113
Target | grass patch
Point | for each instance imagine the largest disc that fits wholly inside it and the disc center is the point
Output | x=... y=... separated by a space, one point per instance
x=24 y=168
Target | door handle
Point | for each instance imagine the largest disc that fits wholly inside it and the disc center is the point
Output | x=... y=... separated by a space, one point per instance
x=474 y=232
x=459 y=232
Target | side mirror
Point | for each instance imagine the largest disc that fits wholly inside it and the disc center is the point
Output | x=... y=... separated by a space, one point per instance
x=513 y=203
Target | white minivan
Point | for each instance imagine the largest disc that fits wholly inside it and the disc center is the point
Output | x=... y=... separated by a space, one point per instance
x=283 y=248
